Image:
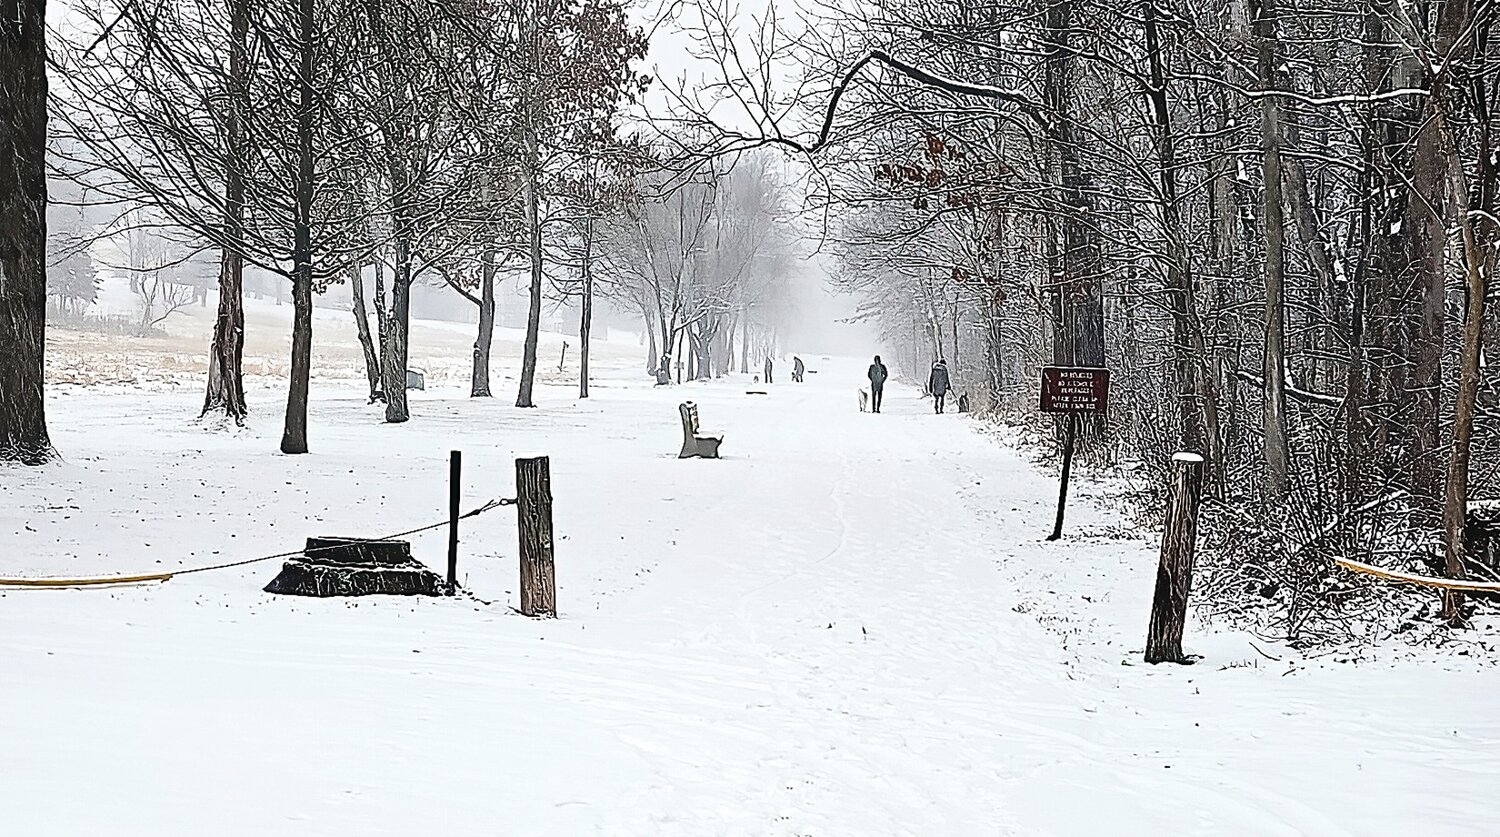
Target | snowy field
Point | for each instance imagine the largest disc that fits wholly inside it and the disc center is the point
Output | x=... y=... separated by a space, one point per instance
x=849 y=626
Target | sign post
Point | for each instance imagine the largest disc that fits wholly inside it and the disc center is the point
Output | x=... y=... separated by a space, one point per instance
x=1072 y=390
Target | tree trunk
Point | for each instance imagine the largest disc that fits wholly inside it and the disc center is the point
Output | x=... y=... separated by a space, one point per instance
x=728 y=361
x=745 y=343
x=653 y=357
x=1276 y=452
x=1426 y=240
x=294 y=436
x=677 y=351
x=1078 y=284
x=1199 y=408
x=23 y=233
x=226 y=382
x=705 y=356
x=382 y=312
x=1356 y=384
x=534 y=230
x=480 y=383
x=362 y=326
x=586 y=316
x=394 y=357
x=1476 y=217
x=1455 y=507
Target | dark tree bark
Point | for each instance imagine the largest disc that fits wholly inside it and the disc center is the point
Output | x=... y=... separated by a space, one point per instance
x=294 y=436
x=534 y=230
x=653 y=357
x=23 y=233
x=703 y=345
x=362 y=326
x=728 y=364
x=394 y=350
x=1276 y=451
x=745 y=342
x=1426 y=242
x=382 y=313
x=1357 y=385
x=485 y=339
x=226 y=381
x=1198 y=399
x=1078 y=280
x=586 y=316
x=1480 y=233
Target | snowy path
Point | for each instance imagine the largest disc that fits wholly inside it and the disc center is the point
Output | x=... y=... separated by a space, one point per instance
x=849 y=626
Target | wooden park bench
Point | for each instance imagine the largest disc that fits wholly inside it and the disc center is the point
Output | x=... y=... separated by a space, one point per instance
x=694 y=444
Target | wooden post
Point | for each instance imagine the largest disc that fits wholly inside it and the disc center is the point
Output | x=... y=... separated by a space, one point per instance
x=1174 y=575
x=1067 y=467
x=534 y=507
x=455 y=464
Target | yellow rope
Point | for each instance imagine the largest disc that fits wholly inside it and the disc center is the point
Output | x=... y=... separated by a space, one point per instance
x=82 y=582
x=1413 y=578
x=164 y=577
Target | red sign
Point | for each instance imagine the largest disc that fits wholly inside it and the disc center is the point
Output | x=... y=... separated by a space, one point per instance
x=1074 y=389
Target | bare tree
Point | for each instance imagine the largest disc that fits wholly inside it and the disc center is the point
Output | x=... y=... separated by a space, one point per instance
x=23 y=232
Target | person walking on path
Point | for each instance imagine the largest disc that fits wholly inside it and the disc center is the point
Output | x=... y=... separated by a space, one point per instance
x=878 y=374
x=938 y=384
x=798 y=369
x=768 y=369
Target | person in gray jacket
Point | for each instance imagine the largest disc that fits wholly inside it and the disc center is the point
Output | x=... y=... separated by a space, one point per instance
x=938 y=384
x=877 y=375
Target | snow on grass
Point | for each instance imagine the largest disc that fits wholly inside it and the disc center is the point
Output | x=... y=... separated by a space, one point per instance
x=851 y=625
x=178 y=357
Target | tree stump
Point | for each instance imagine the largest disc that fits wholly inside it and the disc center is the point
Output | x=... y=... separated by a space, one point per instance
x=355 y=567
x=534 y=507
x=1174 y=574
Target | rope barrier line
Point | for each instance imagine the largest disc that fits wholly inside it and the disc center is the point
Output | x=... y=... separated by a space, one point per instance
x=168 y=576
x=1424 y=580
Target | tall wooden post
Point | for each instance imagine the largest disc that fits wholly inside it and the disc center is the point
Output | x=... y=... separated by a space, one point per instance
x=534 y=507
x=1174 y=575
x=455 y=464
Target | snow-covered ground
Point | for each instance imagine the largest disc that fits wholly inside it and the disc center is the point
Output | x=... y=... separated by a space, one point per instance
x=177 y=358
x=849 y=626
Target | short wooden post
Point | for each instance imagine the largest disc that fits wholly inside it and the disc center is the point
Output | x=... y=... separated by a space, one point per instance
x=534 y=507
x=455 y=464
x=1174 y=575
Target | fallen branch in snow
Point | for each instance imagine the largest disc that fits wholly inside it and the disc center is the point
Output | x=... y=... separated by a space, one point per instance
x=1264 y=654
x=1413 y=578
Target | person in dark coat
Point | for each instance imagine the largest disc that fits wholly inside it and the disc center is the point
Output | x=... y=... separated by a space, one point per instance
x=768 y=369
x=938 y=384
x=798 y=369
x=877 y=375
